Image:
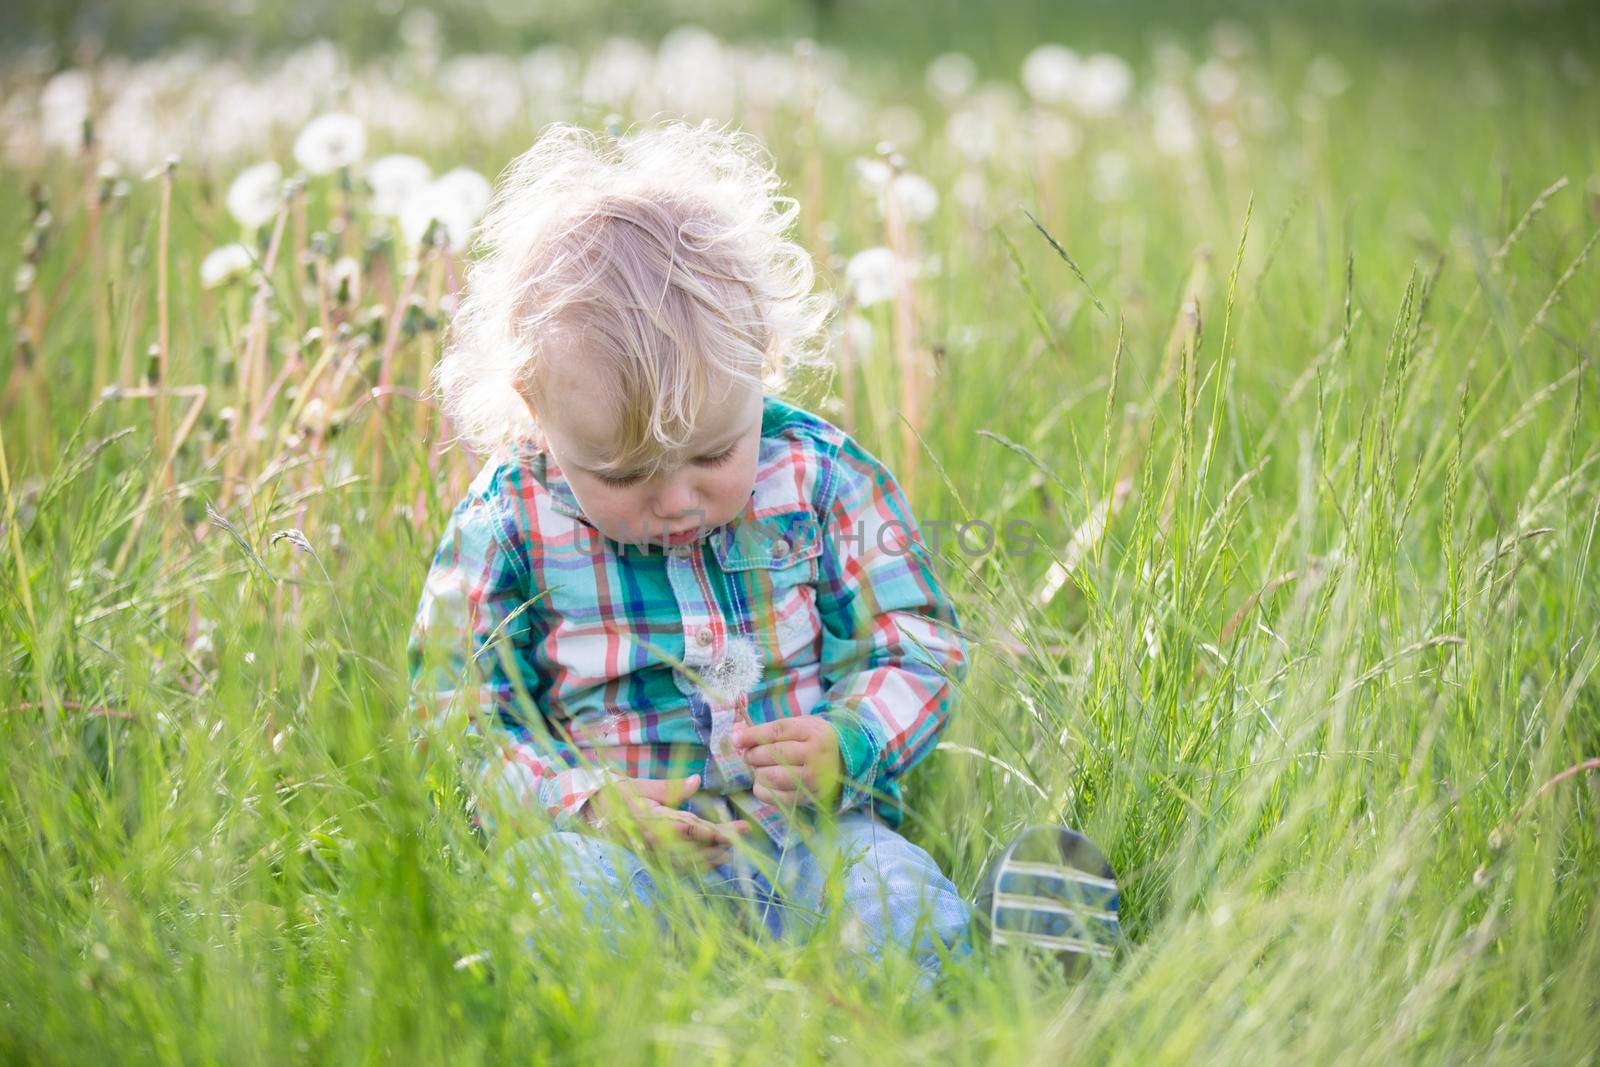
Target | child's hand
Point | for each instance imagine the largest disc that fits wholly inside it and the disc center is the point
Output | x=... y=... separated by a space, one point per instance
x=644 y=811
x=796 y=760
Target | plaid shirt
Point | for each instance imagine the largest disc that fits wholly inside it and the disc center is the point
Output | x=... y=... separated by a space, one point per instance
x=593 y=659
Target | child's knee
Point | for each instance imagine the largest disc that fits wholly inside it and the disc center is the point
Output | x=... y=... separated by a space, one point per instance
x=592 y=867
x=891 y=887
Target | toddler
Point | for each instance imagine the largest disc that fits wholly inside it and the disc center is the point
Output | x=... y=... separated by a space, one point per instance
x=702 y=630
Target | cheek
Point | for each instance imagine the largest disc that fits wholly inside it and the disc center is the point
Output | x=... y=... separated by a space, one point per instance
x=732 y=485
x=614 y=511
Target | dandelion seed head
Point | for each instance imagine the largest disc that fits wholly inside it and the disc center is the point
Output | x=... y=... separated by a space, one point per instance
x=734 y=674
x=63 y=106
x=1050 y=73
x=224 y=264
x=916 y=195
x=456 y=200
x=330 y=141
x=951 y=75
x=256 y=194
x=870 y=276
x=1103 y=85
x=393 y=179
x=1216 y=81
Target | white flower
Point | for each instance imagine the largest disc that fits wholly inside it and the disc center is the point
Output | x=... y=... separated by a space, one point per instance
x=900 y=125
x=916 y=195
x=841 y=117
x=1103 y=84
x=858 y=329
x=329 y=142
x=63 y=105
x=616 y=70
x=1111 y=176
x=950 y=75
x=1050 y=72
x=1217 y=81
x=549 y=71
x=456 y=200
x=974 y=133
x=972 y=190
x=393 y=179
x=870 y=275
x=736 y=673
x=256 y=194
x=1326 y=76
x=224 y=264
x=314 y=416
x=872 y=174
x=1053 y=134
x=1174 y=129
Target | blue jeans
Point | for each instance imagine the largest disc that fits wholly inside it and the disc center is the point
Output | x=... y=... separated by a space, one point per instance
x=888 y=889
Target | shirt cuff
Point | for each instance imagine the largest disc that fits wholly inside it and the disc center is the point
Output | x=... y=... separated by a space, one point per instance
x=565 y=795
x=860 y=752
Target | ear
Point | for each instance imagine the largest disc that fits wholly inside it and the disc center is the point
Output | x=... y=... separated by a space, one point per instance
x=533 y=413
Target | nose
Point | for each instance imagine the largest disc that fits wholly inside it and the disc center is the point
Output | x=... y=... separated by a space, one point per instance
x=676 y=501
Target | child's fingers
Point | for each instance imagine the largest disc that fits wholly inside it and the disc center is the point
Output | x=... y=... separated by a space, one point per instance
x=784 y=779
x=668 y=791
x=699 y=831
x=787 y=729
x=781 y=798
x=779 y=754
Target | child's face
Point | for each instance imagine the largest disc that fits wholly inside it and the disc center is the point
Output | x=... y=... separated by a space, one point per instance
x=707 y=483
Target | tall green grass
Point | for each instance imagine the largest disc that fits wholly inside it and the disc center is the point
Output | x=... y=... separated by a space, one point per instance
x=1306 y=640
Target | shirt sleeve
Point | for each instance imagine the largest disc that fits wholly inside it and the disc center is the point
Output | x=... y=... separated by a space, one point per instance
x=471 y=675
x=891 y=644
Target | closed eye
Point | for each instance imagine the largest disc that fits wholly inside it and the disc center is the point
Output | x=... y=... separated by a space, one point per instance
x=625 y=480
x=717 y=460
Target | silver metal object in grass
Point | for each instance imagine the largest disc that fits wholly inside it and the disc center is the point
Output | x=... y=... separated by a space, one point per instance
x=1051 y=888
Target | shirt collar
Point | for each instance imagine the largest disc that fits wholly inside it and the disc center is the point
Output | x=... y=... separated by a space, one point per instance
x=547 y=472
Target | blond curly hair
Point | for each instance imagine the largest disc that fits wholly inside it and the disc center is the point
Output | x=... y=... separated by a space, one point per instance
x=661 y=257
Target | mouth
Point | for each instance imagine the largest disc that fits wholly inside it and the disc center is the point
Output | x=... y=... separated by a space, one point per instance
x=683 y=537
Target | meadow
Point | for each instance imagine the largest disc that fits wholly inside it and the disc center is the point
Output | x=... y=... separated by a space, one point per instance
x=1285 y=346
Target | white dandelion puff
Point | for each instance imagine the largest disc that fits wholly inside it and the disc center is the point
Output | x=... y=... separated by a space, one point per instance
x=1326 y=75
x=1053 y=135
x=858 y=329
x=900 y=125
x=872 y=174
x=917 y=196
x=951 y=75
x=1111 y=176
x=224 y=264
x=1050 y=73
x=1103 y=84
x=735 y=674
x=393 y=179
x=456 y=200
x=974 y=133
x=63 y=105
x=1217 y=82
x=1174 y=128
x=330 y=141
x=972 y=190
x=256 y=194
x=870 y=275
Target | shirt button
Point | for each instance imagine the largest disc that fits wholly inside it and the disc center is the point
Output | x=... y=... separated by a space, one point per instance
x=702 y=636
x=780 y=549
